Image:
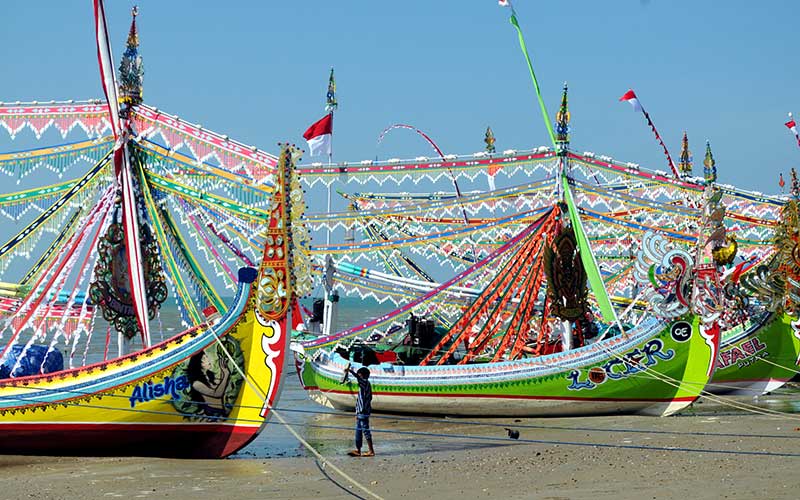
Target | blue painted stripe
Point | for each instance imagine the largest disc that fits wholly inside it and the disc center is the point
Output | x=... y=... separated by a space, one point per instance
x=138 y=371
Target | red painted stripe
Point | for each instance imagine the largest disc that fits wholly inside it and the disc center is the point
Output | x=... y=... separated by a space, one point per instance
x=517 y=397
x=748 y=380
x=106 y=427
x=191 y=440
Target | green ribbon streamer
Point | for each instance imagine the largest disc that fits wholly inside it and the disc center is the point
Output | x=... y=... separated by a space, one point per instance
x=168 y=260
x=196 y=194
x=592 y=272
x=199 y=276
x=547 y=123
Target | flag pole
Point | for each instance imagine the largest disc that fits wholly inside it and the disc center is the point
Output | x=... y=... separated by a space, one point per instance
x=328 y=207
x=330 y=106
x=546 y=117
x=331 y=297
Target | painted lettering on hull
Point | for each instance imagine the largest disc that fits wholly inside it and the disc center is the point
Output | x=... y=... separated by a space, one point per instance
x=170 y=387
x=630 y=363
x=743 y=354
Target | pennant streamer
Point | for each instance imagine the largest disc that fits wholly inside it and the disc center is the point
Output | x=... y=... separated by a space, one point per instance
x=546 y=116
x=630 y=97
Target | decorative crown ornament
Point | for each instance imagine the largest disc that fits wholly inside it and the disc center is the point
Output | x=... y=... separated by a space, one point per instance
x=131 y=69
x=686 y=163
x=562 y=122
x=489 y=140
x=710 y=170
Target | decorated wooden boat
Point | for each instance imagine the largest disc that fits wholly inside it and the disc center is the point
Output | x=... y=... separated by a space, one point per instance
x=762 y=352
x=485 y=363
x=205 y=392
x=655 y=369
x=757 y=357
x=695 y=226
x=141 y=243
x=105 y=250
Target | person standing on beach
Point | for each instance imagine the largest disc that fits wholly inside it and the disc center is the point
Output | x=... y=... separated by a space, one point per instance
x=363 y=410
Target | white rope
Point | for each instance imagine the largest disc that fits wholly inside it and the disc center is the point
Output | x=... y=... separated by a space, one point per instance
x=263 y=395
x=790 y=370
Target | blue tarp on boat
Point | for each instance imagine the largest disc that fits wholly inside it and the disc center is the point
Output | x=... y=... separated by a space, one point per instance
x=38 y=359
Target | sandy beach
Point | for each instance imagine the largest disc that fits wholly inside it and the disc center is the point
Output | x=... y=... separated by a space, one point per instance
x=707 y=452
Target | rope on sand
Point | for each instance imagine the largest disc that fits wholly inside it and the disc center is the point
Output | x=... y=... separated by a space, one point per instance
x=550 y=427
x=434 y=420
x=263 y=395
x=323 y=459
x=572 y=443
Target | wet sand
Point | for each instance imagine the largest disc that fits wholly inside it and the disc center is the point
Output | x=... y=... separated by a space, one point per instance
x=708 y=452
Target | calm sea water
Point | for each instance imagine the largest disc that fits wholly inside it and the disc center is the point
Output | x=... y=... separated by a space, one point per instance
x=294 y=404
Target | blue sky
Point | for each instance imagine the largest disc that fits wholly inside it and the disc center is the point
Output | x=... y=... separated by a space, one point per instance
x=257 y=71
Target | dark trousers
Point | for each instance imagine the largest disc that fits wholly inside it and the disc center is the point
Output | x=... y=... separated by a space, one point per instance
x=362 y=426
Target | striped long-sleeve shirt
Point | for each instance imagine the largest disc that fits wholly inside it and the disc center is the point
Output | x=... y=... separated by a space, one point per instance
x=364 y=400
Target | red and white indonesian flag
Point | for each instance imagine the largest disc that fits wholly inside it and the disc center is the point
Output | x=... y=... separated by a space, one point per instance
x=319 y=136
x=791 y=125
x=630 y=97
x=504 y=3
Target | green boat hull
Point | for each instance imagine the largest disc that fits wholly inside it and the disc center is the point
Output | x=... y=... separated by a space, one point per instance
x=758 y=358
x=657 y=368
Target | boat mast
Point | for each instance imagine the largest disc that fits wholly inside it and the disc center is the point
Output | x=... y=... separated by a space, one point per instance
x=331 y=104
x=587 y=258
x=131 y=73
x=711 y=198
x=562 y=138
x=562 y=148
x=331 y=302
x=594 y=277
x=120 y=283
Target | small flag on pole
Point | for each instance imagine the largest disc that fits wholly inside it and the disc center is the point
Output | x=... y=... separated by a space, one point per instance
x=504 y=3
x=319 y=136
x=791 y=125
x=631 y=98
